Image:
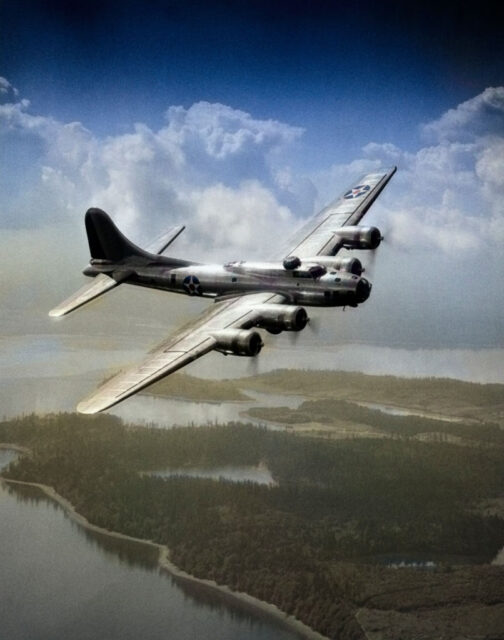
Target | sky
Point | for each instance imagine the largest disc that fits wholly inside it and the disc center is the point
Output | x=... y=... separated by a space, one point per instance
x=241 y=119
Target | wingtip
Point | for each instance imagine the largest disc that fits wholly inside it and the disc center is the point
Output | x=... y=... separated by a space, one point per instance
x=86 y=407
x=56 y=313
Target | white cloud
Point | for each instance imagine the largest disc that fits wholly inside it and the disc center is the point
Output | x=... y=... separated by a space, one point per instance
x=211 y=167
x=481 y=115
x=6 y=87
x=449 y=195
x=225 y=175
x=247 y=214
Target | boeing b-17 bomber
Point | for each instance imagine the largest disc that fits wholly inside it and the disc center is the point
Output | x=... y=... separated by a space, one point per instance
x=247 y=295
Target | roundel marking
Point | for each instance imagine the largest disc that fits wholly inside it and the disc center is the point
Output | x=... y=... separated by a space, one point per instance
x=192 y=286
x=357 y=191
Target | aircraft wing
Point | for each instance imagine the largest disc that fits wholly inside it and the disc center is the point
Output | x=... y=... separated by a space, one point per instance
x=317 y=237
x=189 y=343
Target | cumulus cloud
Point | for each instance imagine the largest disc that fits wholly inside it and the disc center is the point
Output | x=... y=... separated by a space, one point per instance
x=210 y=166
x=480 y=116
x=448 y=195
x=226 y=175
x=6 y=87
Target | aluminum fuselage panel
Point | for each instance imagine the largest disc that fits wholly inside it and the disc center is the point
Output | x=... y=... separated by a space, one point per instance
x=335 y=288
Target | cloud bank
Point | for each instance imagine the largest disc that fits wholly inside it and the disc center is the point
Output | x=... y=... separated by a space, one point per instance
x=210 y=166
x=227 y=176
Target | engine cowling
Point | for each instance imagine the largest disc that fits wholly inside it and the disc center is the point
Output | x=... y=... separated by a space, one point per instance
x=278 y=317
x=349 y=265
x=238 y=342
x=357 y=237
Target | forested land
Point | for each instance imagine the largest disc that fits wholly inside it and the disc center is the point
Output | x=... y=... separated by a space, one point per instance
x=451 y=397
x=181 y=385
x=329 y=411
x=302 y=544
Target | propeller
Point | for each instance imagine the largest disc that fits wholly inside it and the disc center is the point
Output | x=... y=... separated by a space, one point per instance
x=371 y=262
x=293 y=337
x=253 y=366
x=314 y=324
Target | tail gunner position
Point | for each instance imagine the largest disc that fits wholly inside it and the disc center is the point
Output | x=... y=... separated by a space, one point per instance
x=247 y=295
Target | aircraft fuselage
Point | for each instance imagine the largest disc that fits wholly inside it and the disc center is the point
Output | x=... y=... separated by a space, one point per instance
x=310 y=284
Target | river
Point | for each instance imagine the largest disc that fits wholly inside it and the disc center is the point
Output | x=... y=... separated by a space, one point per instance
x=60 y=580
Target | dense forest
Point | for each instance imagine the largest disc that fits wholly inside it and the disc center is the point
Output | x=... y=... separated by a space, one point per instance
x=181 y=385
x=329 y=411
x=443 y=395
x=338 y=504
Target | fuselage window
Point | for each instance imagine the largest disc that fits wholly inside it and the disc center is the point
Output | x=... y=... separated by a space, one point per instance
x=234 y=279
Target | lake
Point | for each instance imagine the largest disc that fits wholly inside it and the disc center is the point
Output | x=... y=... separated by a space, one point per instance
x=259 y=474
x=48 y=394
x=59 y=580
x=400 y=411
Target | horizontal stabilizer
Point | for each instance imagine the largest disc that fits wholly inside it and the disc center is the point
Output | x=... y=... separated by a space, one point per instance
x=160 y=244
x=101 y=284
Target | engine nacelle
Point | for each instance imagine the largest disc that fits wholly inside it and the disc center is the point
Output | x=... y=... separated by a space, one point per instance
x=349 y=265
x=278 y=317
x=238 y=342
x=359 y=237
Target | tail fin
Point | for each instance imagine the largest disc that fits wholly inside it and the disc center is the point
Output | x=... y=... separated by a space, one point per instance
x=106 y=242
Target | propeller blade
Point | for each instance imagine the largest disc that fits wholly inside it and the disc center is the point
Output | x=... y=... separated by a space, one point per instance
x=294 y=337
x=253 y=366
x=314 y=324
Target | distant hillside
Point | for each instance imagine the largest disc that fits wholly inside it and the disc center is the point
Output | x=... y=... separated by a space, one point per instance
x=181 y=385
x=438 y=395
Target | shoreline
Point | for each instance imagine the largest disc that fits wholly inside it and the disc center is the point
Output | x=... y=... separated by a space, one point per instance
x=164 y=562
x=151 y=394
x=7 y=446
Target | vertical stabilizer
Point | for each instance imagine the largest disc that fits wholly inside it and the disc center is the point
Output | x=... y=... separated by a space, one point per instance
x=106 y=242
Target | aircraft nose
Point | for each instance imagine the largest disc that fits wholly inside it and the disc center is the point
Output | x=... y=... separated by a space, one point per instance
x=363 y=290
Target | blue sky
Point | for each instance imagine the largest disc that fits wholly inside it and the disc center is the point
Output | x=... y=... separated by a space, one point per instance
x=346 y=72
x=242 y=118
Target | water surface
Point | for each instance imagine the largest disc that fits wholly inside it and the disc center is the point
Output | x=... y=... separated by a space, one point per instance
x=401 y=411
x=59 y=581
x=6 y=457
x=258 y=475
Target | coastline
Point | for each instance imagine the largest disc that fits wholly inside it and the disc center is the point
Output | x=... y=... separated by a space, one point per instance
x=164 y=562
x=14 y=447
x=151 y=394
